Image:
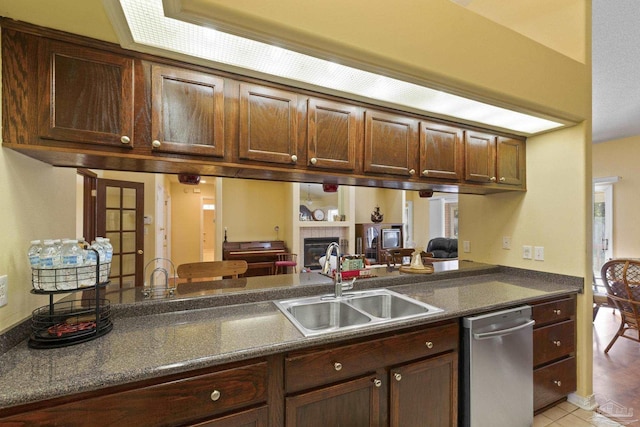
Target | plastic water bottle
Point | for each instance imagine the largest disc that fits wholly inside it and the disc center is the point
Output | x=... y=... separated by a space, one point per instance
x=101 y=257
x=71 y=260
x=34 y=253
x=108 y=249
x=49 y=261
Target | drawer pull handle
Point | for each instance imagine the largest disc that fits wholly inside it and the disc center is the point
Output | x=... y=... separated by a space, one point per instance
x=215 y=395
x=429 y=344
x=313 y=161
x=557 y=312
x=557 y=343
x=294 y=158
x=156 y=144
x=337 y=366
x=397 y=376
x=558 y=383
x=377 y=382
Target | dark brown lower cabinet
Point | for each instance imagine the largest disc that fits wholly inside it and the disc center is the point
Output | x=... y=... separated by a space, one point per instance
x=354 y=403
x=403 y=380
x=258 y=417
x=425 y=393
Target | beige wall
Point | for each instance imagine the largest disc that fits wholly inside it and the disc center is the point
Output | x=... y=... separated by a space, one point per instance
x=420 y=219
x=620 y=158
x=186 y=208
x=389 y=201
x=251 y=209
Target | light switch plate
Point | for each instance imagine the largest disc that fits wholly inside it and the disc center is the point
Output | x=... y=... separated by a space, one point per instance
x=527 y=252
x=538 y=253
x=4 y=289
x=466 y=246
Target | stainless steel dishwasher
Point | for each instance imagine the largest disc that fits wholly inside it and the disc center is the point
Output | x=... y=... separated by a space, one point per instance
x=497 y=371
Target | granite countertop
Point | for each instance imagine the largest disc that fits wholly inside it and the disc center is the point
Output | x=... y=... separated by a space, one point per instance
x=192 y=330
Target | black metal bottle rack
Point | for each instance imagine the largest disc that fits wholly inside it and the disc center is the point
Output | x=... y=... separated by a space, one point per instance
x=65 y=323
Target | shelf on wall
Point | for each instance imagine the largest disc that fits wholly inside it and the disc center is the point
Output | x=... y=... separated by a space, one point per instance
x=324 y=223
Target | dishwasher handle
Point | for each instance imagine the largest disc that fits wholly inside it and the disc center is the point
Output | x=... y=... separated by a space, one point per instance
x=500 y=332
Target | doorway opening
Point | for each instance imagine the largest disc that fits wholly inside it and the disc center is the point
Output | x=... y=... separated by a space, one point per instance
x=208 y=229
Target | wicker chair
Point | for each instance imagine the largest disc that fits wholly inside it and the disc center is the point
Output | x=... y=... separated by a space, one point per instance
x=621 y=278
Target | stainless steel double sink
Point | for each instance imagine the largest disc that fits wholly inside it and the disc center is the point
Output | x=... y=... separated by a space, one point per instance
x=324 y=314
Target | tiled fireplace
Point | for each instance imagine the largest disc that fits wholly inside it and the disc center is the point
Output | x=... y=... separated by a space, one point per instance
x=314 y=242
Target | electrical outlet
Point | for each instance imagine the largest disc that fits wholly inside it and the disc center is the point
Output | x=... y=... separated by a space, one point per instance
x=466 y=246
x=538 y=253
x=527 y=252
x=4 y=288
x=506 y=242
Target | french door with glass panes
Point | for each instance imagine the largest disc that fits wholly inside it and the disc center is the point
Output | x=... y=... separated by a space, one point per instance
x=120 y=217
x=602 y=227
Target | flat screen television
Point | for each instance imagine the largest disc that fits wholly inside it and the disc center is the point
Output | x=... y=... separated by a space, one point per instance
x=391 y=238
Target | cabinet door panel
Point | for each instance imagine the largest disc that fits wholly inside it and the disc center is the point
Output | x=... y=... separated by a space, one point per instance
x=425 y=393
x=391 y=144
x=479 y=156
x=332 y=134
x=268 y=124
x=85 y=95
x=187 y=111
x=510 y=158
x=440 y=151
x=353 y=403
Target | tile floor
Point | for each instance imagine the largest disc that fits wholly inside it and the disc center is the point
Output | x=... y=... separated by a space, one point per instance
x=568 y=415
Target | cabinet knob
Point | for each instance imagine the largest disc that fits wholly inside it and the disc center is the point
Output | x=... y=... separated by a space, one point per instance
x=557 y=343
x=429 y=344
x=140 y=251
x=425 y=172
x=215 y=395
x=558 y=383
x=492 y=179
x=397 y=376
x=377 y=382
x=156 y=143
x=337 y=366
x=313 y=161
x=294 y=158
x=557 y=312
x=503 y=179
x=125 y=139
x=412 y=171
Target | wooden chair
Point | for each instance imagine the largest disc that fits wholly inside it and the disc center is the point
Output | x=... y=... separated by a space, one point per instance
x=285 y=261
x=621 y=278
x=600 y=298
x=211 y=269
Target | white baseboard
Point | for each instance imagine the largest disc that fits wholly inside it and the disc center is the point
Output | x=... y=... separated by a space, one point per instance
x=585 y=402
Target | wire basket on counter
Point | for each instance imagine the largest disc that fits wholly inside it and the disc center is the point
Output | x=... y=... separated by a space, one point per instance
x=70 y=322
x=69 y=278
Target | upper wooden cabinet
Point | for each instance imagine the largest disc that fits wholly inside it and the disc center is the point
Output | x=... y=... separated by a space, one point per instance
x=441 y=151
x=332 y=134
x=268 y=124
x=187 y=112
x=479 y=157
x=390 y=143
x=510 y=161
x=85 y=95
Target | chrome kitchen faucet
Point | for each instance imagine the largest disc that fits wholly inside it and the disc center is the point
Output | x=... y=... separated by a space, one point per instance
x=337 y=277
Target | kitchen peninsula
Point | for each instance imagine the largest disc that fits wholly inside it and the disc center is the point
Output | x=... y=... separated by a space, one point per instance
x=159 y=342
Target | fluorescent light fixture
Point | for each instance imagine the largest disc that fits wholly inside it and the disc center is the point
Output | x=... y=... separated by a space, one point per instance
x=149 y=27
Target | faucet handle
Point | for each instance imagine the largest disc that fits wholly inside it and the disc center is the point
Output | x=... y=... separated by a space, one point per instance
x=348 y=285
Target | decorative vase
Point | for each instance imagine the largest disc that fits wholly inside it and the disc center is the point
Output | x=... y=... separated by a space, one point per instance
x=376 y=216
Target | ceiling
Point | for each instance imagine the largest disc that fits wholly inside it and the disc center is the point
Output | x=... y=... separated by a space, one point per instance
x=616 y=69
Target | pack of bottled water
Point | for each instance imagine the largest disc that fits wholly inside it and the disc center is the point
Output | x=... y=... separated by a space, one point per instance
x=69 y=264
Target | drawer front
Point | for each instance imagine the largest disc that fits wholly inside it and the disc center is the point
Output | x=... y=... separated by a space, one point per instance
x=554 y=311
x=310 y=368
x=553 y=342
x=171 y=403
x=553 y=382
